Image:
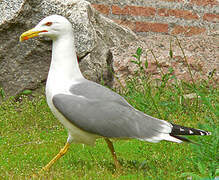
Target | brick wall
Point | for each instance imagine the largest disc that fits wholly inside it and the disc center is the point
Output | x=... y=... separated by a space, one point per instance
x=177 y=17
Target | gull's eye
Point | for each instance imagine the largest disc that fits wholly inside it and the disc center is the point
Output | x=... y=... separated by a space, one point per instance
x=48 y=23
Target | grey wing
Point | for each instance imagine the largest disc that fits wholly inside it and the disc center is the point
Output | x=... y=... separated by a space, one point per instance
x=92 y=90
x=113 y=119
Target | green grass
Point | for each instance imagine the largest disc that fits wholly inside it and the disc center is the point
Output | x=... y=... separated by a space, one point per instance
x=30 y=136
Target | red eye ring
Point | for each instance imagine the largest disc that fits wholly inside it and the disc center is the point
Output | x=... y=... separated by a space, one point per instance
x=48 y=24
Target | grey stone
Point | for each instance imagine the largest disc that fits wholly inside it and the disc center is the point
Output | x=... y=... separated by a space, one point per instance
x=25 y=65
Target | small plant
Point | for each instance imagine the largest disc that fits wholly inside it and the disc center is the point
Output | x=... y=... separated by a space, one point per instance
x=139 y=62
x=27 y=92
x=2 y=93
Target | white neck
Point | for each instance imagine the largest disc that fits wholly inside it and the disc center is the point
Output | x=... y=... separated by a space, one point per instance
x=64 y=59
x=64 y=66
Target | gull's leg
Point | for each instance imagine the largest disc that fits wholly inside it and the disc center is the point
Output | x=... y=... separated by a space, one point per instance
x=58 y=156
x=110 y=146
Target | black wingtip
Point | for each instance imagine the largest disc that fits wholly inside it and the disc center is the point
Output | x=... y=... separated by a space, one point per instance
x=181 y=130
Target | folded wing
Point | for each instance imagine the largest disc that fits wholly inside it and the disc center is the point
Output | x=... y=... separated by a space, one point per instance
x=111 y=118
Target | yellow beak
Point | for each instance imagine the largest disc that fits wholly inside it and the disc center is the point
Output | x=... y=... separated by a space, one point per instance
x=30 y=34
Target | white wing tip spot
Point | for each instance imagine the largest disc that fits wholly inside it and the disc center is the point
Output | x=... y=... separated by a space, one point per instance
x=205 y=133
x=208 y=133
x=191 y=132
x=181 y=129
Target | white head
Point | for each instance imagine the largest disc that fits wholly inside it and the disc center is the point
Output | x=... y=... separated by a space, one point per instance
x=52 y=26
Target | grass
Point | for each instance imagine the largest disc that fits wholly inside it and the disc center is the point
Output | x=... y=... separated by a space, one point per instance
x=30 y=136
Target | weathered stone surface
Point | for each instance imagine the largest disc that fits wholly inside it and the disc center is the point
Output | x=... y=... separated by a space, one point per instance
x=202 y=54
x=25 y=65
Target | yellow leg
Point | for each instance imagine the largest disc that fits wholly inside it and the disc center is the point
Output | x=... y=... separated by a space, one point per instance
x=110 y=146
x=58 y=156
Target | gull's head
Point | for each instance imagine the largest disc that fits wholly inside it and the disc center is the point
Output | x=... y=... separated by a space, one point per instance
x=52 y=26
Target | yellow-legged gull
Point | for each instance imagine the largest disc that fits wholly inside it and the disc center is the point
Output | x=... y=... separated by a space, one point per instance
x=87 y=109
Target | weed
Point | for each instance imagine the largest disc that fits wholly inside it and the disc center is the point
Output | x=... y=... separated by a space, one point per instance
x=2 y=93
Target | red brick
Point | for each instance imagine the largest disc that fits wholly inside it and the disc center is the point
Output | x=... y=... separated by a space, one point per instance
x=101 y=8
x=183 y=14
x=142 y=11
x=129 y=24
x=204 y=2
x=118 y=11
x=153 y=27
x=163 y=12
x=187 y=30
x=211 y=17
x=133 y=10
x=177 y=13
